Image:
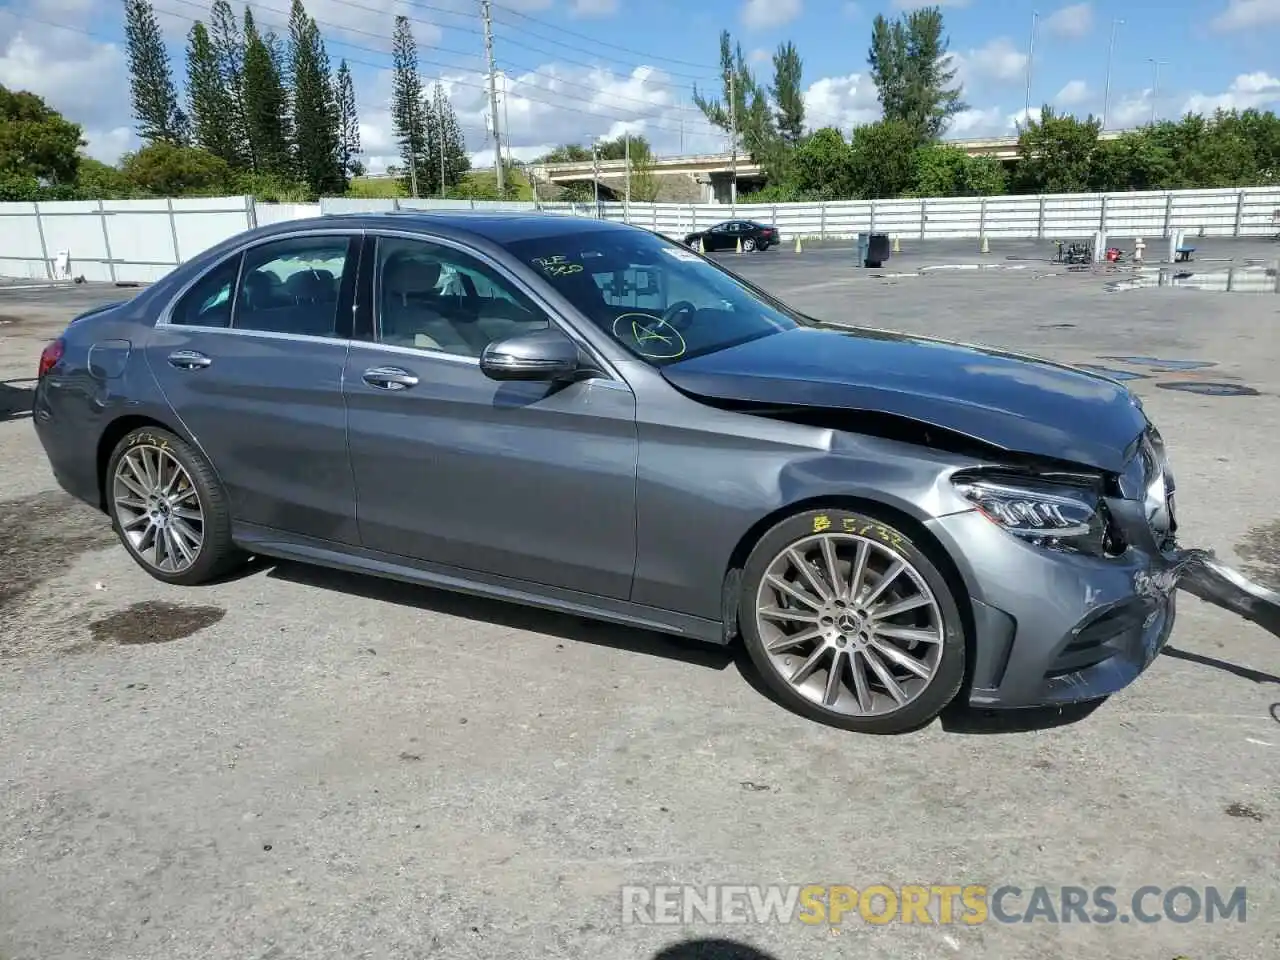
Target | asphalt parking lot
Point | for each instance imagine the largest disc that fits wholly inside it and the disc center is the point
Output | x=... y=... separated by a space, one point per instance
x=300 y=763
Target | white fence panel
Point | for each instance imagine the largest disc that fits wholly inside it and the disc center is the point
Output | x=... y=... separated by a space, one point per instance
x=952 y=217
x=140 y=240
x=1012 y=217
x=284 y=212
x=1260 y=212
x=22 y=248
x=1206 y=213
x=202 y=222
x=76 y=228
x=1071 y=215
x=1136 y=214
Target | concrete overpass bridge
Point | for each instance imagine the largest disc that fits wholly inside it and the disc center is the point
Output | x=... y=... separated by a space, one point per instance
x=707 y=178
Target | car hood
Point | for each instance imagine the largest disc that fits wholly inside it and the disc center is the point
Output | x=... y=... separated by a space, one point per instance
x=1019 y=404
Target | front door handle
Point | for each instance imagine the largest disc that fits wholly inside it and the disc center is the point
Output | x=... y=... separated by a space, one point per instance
x=390 y=378
x=189 y=360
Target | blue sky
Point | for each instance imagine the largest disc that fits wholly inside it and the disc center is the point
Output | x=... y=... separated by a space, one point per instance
x=577 y=69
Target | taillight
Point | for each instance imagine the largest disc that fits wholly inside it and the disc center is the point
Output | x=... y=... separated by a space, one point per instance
x=50 y=356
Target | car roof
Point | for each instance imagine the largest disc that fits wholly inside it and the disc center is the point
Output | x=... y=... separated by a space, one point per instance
x=497 y=227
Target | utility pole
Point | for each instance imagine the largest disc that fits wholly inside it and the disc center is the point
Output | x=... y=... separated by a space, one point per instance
x=733 y=143
x=682 y=134
x=413 y=150
x=595 y=172
x=626 y=155
x=493 y=95
x=1031 y=52
x=440 y=135
x=1111 y=49
x=1155 y=85
x=506 y=126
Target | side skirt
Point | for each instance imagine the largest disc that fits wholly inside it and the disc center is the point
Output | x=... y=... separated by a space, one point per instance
x=266 y=541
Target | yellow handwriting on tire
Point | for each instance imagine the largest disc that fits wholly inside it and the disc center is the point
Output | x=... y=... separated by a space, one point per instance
x=877 y=530
x=821 y=522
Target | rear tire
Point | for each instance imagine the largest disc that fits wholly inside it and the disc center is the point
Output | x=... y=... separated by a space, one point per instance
x=169 y=509
x=748 y=245
x=846 y=592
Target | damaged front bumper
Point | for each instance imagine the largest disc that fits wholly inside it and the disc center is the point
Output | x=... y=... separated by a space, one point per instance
x=1053 y=628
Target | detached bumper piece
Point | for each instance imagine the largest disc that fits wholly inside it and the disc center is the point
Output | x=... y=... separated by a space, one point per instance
x=1215 y=582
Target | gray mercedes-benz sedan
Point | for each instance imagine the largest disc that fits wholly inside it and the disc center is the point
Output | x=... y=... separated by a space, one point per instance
x=589 y=417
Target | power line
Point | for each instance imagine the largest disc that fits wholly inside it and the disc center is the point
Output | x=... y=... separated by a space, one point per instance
x=655 y=118
x=560 y=81
x=594 y=41
x=707 y=77
x=650 y=120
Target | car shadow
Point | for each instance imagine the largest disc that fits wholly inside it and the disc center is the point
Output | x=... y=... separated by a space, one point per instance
x=1244 y=673
x=16 y=400
x=504 y=614
x=711 y=949
x=959 y=718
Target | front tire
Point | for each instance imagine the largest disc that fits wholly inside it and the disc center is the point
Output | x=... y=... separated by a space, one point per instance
x=169 y=509
x=849 y=623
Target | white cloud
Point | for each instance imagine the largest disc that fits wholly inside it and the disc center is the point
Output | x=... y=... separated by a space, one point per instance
x=766 y=14
x=1257 y=89
x=109 y=145
x=841 y=102
x=81 y=78
x=1074 y=21
x=973 y=123
x=556 y=104
x=1247 y=14
x=999 y=62
x=759 y=55
x=594 y=8
x=1073 y=94
x=1020 y=119
x=1132 y=110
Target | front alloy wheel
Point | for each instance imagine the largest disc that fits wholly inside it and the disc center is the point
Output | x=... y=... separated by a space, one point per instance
x=849 y=622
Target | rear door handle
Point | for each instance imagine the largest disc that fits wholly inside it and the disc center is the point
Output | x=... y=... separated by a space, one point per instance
x=189 y=359
x=390 y=378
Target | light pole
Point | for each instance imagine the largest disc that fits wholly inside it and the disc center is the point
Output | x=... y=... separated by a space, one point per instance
x=1155 y=84
x=1031 y=52
x=1111 y=49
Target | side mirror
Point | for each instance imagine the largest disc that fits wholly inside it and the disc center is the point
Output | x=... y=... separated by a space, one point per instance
x=541 y=355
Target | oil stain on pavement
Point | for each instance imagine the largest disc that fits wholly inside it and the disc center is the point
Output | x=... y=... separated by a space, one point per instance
x=40 y=536
x=1260 y=551
x=154 y=621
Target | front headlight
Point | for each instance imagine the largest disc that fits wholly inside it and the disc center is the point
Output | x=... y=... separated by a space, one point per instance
x=1057 y=517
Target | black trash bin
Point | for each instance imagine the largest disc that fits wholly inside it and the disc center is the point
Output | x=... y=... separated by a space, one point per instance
x=873 y=249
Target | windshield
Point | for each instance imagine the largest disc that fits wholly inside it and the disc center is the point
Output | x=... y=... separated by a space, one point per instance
x=660 y=300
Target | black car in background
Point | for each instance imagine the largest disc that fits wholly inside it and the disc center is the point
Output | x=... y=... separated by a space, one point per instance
x=725 y=236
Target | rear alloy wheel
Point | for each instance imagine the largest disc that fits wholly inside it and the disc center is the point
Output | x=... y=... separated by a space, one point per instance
x=748 y=245
x=850 y=623
x=168 y=508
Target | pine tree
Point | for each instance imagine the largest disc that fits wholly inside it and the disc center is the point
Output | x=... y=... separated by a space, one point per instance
x=229 y=49
x=913 y=71
x=266 y=103
x=208 y=100
x=315 y=112
x=155 y=100
x=788 y=93
x=348 y=124
x=456 y=161
x=408 y=117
